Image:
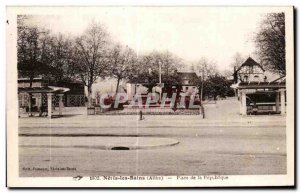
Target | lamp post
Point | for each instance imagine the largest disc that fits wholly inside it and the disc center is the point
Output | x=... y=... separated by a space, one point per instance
x=160 y=91
x=205 y=67
x=135 y=82
x=159 y=63
x=201 y=97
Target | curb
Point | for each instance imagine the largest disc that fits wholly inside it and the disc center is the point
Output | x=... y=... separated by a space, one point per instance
x=109 y=146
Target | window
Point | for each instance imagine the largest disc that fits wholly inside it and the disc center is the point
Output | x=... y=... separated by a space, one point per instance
x=250 y=69
x=33 y=101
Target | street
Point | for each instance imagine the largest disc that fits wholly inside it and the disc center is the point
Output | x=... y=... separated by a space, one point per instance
x=222 y=143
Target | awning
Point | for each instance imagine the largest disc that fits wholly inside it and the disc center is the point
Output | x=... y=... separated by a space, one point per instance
x=261 y=85
x=46 y=89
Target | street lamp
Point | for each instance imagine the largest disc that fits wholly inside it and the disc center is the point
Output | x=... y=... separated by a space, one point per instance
x=160 y=85
x=135 y=82
x=201 y=97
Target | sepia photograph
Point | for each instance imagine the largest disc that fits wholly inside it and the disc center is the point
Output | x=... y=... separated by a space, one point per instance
x=150 y=96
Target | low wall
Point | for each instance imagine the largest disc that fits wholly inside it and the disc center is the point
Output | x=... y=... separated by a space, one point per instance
x=151 y=111
x=162 y=111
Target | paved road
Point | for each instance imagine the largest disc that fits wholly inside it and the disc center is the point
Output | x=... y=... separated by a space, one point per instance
x=216 y=145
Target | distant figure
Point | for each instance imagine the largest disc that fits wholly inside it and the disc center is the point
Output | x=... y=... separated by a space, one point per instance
x=141 y=116
x=255 y=109
x=43 y=109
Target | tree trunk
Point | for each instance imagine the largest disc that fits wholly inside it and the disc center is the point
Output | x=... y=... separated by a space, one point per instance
x=118 y=82
x=30 y=95
x=90 y=103
x=150 y=87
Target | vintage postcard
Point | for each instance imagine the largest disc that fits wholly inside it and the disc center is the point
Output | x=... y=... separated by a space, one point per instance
x=150 y=96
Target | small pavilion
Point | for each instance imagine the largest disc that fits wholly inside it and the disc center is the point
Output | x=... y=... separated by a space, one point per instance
x=51 y=91
x=262 y=89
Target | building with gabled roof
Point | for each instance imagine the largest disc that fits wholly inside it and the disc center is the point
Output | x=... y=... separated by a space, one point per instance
x=249 y=71
x=255 y=92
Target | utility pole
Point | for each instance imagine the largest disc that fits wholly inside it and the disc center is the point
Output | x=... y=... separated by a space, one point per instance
x=159 y=72
x=201 y=97
x=160 y=80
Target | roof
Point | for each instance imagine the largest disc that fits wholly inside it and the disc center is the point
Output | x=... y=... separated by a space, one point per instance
x=187 y=73
x=190 y=75
x=262 y=85
x=45 y=89
x=40 y=79
x=28 y=79
x=250 y=62
x=280 y=79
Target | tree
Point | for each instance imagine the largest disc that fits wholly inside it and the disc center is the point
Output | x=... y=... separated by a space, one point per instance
x=216 y=85
x=42 y=54
x=270 y=42
x=33 y=55
x=32 y=50
x=237 y=60
x=63 y=59
x=122 y=63
x=169 y=67
x=147 y=70
x=91 y=52
x=205 y=68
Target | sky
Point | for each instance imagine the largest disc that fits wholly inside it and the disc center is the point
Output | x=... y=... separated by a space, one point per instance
x=189 y=32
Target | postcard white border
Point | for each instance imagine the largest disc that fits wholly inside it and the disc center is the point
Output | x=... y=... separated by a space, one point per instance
x=12 y=119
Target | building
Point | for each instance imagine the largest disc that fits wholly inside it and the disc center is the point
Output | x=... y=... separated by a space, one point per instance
x=189 y=82
x=249 y=71
x=73 y=97
x=256 y=94
x=262 y=98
